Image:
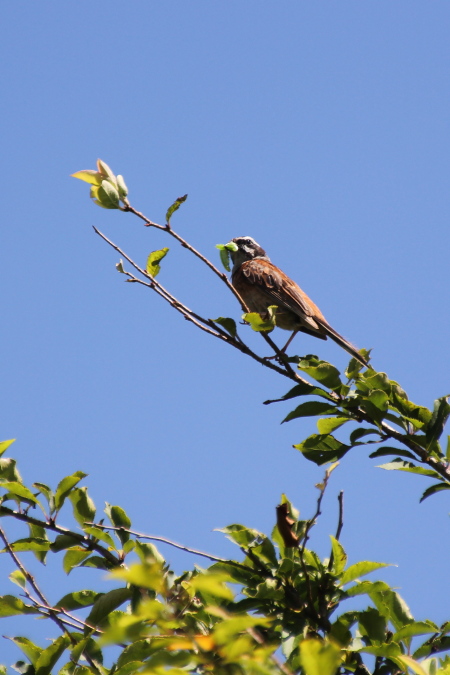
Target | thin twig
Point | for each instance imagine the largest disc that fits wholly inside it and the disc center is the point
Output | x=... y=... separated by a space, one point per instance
x=164 y=540
x=84 y=540
x=341 y=514
x=52 y=612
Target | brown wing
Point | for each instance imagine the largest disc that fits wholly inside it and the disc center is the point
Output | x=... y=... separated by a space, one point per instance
x=281 y=291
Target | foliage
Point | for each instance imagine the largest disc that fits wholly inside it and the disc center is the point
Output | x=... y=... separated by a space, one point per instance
x=278 y=607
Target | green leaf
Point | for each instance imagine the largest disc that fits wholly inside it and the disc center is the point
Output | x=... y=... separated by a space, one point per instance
x=4 y=445
x=262 y=323
x=105 y=195
x=387 y=450
x=19 y=490
x=393 y=607
x=438 y=420
x=322 y=448
x=372 y=624
x=147 y=575
x=88 y=176
x=123 y=190
x=119 y=518
x=31 y=651
x=45 y=490
x=100 y=534
x=321 y=371
x=10 y=606
x=433 y=489
x=310 y=409
x=360 y=569
x=65 y=486
x=339 y=556
x=175 y=206
x=97 y=562
x=18 y=577
x=153 y=267
x=303 y=389
x=49 y=657
x=360 y=433
x=148 y=552
x=228 y=324
x=77 y=600
x=241 y=535
x=29 y=544
x=73 y=558
x=328 y=424
x=415 y=628
x=39 y=532
x=212 y=584
x=224 y=255
x=399 y=465
x=107 y=603
x=8 y=469
x=63 y=541
x=366 y=588
x=319 y=657
x=83 y=506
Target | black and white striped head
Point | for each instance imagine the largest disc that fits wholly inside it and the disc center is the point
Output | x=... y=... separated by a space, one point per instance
x=247 y=249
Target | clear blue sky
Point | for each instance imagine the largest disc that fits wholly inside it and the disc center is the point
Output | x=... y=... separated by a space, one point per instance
x=322 y=130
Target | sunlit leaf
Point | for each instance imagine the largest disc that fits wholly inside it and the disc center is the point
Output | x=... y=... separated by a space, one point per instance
x=4 y=445
x=262 y=323
x=319 y=657
x=326 y=425
x=106 y=603
x=49 y=657
x=31 y=651
x=339 y=556
x=322 y=448
x=19 y=490
x=360 y=569
x=147 y=575
x=65 y=486
x=10 y=606
x=153 y=267
x=321 y=371
x=89 y=176
x=18 y=577
x=83 y=506
x=175 y=206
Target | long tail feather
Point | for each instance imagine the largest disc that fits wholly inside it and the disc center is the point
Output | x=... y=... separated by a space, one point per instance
x=342 y=342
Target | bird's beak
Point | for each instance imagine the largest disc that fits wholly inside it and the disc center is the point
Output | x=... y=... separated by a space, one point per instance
x=231 y=246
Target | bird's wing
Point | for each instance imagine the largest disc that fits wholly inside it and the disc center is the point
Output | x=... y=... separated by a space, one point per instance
x=282 y=291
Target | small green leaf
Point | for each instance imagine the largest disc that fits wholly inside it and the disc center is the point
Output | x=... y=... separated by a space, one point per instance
x=321 y=371
x=18 y=490
x=386 y=450
x=212 y=584
x=8 y=469
x=319 y=657
x=49 y=657
x=433 y=489
x=100 y=534
x=360 y=569
x=4 y=445
x=326 y=425
x=310 y=409
x=322 y=448
x=228 y=324
x=64 y=541
x=415 y=628
x=108 y=195
x=65 y=486
x=18 y=577
x=153 y=260
x=339 y=556
x=29 y=544
x=83 y=506
x=440 y=416
x=123 y=190
x=147 y=575
x=31 y=651
x=74 y=558
x=399 y=465
x=10 y=606
x=262 y=323
x=89 y=176
x=97 y=562
x=77 y=600
x=175 y=206
x=360 y=433
x=119 y=518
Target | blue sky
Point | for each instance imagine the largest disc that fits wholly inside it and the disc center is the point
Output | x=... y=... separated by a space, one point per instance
x=320 y=129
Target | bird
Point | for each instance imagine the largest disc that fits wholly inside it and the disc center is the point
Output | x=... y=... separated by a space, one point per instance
x=261 y=284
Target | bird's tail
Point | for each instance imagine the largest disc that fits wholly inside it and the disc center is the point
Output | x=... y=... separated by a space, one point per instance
x=342 y=342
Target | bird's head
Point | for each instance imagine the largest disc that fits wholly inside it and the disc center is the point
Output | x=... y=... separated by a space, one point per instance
x=244 y=248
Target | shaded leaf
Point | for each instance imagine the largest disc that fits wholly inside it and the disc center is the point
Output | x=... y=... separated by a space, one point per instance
x=302 y=389
x=31 y=651
x=228 y=324
x=339 y=556
x=73 y=558
x=439 y=418
x=100 y=534
x=387 y=450
x=106 y=603
x=175 y=206
x=10 y=606
x=48 y=657
x=83 y=506
x=65 y=486
x=360 y=433
x=119 y=518
x=310 y=409
x=321 y=371
x=433 y=489
x=77 y=600
x=320 y=448
x=18 y=490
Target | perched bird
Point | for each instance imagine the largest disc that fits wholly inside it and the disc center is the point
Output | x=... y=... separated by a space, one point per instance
x=261 y=284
